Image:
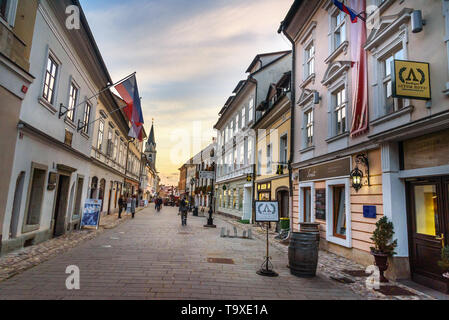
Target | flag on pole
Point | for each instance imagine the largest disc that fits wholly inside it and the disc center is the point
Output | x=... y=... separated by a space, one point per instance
x=129 y=92
x=354 y=16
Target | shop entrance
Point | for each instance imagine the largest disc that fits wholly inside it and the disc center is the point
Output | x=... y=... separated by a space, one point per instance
x=428 y=220
x=62 y=196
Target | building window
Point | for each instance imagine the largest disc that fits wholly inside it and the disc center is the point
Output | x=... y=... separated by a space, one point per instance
x=391 y=104
x=3 y=8
x=251 y=110
x=241 y=199
x=35 y=201
x=242 y=156
x=269 y=158
x=244 y=117
x=338 y=29
x=307 y=204
x=283 y=150
x=115 y=147
x=86 y=118
x=8 y=9
x=340 y=111
x=308 y=116
x=100 y=136
x=259 y=163
x=109 y=147
x=73 y=98
x=50 y=80
x=309 y=60
x=339 y=211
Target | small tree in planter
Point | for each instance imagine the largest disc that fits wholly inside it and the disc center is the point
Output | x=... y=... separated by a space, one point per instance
x=444 y=263
x=384 y=245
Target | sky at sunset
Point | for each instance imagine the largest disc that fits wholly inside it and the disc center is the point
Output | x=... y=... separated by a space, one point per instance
x=189 y=55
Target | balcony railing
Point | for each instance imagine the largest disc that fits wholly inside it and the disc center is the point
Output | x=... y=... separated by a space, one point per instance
x=12 y=47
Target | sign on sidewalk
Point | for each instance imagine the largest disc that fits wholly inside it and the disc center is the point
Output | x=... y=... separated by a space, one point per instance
x=267 y=211
x=91 y=214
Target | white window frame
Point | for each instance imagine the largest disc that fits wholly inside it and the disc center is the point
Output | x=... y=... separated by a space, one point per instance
x=251 y=110
x=330 y=214
x=73 y=84
x=334 y=27
x=338 y=107
x=10 y=12
x=303 y=186
x=338 y=84
x=100 y=145
x=55 y=60
x=385 y=48
x=283 y=150
x=309 y=59
x=306 y=127
x=269 y=157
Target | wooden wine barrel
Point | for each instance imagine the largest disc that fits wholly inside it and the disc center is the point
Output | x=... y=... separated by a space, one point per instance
x=303 y=254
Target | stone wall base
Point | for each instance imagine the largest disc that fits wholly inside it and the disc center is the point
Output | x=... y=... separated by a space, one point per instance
x=8 y=246
x=399 y=267
x=228 y=215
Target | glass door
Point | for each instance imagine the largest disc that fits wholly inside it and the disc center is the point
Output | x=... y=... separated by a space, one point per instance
x=427 y=210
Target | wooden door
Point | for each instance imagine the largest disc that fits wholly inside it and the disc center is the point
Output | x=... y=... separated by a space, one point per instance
x=428 y=227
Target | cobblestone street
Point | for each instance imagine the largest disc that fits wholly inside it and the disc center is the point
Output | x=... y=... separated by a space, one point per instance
x=153 y=257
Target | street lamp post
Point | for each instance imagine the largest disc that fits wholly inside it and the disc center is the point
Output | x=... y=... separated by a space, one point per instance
x=192 y=194
x=210 y=220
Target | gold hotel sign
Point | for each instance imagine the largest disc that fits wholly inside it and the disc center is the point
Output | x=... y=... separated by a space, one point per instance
x=411 y=80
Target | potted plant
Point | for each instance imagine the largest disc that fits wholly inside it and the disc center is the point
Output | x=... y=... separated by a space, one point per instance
x=384 y=245
x=444 y=263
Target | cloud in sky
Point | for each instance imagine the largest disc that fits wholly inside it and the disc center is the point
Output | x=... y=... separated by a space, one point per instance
x=189 y=55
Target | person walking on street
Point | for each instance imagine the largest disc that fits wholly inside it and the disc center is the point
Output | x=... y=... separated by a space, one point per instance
x=121 y=206
x=133 y=206
x=183 y=208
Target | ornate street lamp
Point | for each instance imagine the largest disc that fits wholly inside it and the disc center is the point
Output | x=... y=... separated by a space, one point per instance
x=357 y=174
x=210 y=220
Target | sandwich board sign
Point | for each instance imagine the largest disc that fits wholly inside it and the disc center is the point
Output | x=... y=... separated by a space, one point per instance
x=91 y=214
x=267 y=211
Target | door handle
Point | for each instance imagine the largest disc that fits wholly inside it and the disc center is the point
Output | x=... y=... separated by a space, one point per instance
x=441 y=238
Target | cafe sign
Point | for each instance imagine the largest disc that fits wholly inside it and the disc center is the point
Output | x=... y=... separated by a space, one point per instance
x=334 y=169
x=411 y=80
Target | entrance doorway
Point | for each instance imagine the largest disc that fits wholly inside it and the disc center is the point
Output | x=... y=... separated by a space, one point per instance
x=62 y=196
x=283 y=198
x=428 y=220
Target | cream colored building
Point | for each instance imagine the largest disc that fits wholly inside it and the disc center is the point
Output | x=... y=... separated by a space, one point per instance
x=404 y=140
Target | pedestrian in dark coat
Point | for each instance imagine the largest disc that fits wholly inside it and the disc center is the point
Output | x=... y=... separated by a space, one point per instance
x=121 y=206
x=183 y=208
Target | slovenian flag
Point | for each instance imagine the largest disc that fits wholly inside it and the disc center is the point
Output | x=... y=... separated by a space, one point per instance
x=130 y=93
x=345 y=9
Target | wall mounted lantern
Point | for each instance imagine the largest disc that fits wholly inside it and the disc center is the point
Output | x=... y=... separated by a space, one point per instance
x=357 y=175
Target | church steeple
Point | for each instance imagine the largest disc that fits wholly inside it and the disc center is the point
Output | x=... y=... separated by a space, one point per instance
x=150 y=148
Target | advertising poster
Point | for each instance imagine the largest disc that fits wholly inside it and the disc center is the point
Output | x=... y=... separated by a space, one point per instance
x=267 y=211
x=91 y=214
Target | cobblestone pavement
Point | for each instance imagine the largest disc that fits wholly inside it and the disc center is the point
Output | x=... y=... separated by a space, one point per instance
x=19 y=261
x=153 y=257
x=332 y=265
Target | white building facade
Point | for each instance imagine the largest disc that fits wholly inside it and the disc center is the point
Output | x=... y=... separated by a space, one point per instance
x=51 y=168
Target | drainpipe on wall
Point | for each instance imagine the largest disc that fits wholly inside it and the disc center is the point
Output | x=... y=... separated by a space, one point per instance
x=292 y=123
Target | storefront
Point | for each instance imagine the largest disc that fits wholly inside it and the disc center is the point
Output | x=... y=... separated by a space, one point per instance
x=425 y=168
x=234 y=199
x=324 y=193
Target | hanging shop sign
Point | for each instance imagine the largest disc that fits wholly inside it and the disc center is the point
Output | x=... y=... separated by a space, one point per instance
x=267 y=211
x=411 y=80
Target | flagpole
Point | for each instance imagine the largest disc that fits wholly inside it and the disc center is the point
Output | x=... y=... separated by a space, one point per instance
x=96 y=95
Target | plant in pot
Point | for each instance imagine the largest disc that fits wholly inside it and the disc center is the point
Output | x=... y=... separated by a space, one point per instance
x=384 y=245
x=444 y=263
